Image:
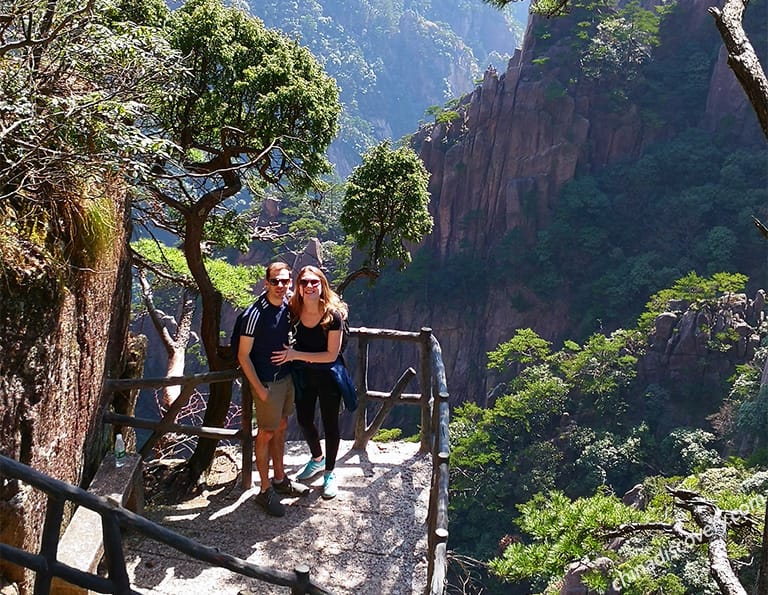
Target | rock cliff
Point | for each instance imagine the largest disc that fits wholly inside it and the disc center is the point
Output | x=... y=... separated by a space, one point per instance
x=496 y=171
x=695 y=348
x=61 y=333
x=521 y=136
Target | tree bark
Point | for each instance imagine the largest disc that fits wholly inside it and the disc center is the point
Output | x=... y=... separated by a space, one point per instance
x=175 y=344
x=742 y=57
x=712 y=521
x=177 y=355
x=220 y=392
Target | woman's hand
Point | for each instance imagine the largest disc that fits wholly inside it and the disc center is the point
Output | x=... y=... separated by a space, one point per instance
x=283 y=356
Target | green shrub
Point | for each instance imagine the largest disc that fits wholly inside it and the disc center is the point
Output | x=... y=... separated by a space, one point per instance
x=387 y=435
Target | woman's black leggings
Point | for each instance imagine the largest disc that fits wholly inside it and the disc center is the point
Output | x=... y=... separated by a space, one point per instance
x=320 y=386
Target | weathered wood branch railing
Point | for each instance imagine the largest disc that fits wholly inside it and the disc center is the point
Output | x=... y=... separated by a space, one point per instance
x=432 y=399
x=113 y=518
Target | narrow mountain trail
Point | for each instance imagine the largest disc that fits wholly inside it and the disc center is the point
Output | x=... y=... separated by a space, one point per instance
x=370 y=539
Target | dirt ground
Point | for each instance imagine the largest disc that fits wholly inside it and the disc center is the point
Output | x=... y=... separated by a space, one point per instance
x=370 y=539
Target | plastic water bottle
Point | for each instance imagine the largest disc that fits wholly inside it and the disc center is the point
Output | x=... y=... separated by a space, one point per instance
x=119 y=451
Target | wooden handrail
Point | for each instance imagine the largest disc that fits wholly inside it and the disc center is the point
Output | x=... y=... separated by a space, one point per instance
x=437 y=517
x=113 y=384
x=119 y=419
x=113 y=518
x=433 y=401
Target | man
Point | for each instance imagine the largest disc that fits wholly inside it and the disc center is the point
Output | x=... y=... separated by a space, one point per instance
x=265 y=329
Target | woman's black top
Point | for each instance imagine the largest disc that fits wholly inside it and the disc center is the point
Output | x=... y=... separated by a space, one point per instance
x=314 y=377
x=315 y=339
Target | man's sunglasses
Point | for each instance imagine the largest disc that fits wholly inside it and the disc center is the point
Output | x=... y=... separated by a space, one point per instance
x=275 y=282
x=310 y=282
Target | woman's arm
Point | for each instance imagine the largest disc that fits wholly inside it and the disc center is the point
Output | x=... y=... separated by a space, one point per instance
x=319 y=357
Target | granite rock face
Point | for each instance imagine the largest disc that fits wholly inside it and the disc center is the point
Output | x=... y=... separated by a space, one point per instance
x=496 y=172
x=60 y=336
x=521 y=135
x=705 y=342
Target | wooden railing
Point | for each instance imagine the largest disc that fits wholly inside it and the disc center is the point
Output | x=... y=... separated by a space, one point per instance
x=437 y=520
x=432 y=399
x=113 y=518
x=167 y=422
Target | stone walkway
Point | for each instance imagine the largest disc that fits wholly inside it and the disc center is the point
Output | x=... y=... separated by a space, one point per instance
x=370 y=539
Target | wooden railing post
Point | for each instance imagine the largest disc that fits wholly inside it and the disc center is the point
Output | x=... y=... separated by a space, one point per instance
x=246 y=431
x=113 y=552
x=49 y=543
x=302 y=580
x=361 y=417
x=437 y=519
x=426 y=389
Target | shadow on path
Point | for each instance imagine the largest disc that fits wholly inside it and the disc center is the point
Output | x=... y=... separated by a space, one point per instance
x=371 y=538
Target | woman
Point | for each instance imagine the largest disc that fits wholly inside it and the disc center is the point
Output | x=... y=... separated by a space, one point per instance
x=317 y=314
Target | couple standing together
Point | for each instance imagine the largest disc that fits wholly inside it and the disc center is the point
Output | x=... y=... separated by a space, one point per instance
x=266 y=346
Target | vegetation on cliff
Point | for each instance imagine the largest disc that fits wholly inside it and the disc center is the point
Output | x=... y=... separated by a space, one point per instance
x=729 y=20
x=73 y=90
x=577 y=426
x=634 y=228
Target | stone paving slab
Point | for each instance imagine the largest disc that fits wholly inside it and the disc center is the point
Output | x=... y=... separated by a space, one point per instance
x=370 y=539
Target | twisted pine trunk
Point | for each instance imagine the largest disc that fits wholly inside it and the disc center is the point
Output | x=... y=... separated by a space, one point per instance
x=743 y=59
x=762 y=572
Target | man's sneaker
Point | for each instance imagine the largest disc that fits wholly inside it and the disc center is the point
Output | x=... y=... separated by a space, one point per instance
x=329 y=485
x=290 y=488
x=311 y=469
x=270 y=502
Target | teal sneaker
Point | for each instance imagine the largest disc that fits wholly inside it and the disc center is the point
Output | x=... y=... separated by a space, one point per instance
x=311 y=469
x=329 y=485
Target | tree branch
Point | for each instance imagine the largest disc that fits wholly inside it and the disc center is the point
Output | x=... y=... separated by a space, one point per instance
x=676 y=530
x=142 y=263
x=742 y=57
x=154 y=315
x=45 y=29
x=372 y=274
x=712 y=521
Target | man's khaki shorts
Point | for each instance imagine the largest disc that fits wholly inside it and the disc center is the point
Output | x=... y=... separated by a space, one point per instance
x=279 y=403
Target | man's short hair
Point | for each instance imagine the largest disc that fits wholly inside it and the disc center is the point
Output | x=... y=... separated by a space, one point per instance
x=276 y=267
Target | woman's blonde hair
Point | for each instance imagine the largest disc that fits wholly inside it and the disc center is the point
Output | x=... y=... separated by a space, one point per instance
x=329 y=300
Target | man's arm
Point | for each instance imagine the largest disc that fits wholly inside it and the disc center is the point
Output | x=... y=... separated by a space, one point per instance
x=244 y=357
